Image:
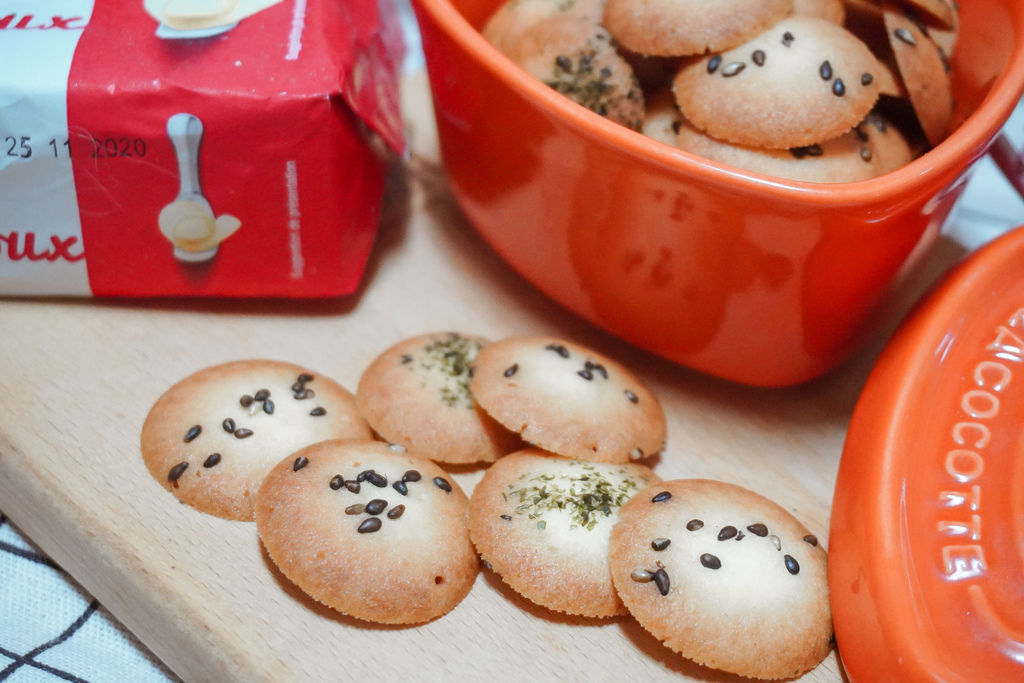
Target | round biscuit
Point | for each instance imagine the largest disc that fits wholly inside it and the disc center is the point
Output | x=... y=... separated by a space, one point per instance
x=662 y=118
x=374 y=534
x=678 y=28
x=863 y=152
x=416 y=394
x=574 y=55
x=724 y=577
x=542 y=523
x=924 y=71
x=801 y=82
x=212 y=437
x=568 y=399
x=514 y=17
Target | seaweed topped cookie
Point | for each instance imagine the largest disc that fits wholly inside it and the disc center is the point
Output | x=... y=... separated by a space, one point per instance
x=542 y=523
x=212 y=437
x=723 y=576
x=568 y=399
x=417 y=394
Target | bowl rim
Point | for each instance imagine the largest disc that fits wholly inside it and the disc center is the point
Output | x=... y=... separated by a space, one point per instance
x=955 y=154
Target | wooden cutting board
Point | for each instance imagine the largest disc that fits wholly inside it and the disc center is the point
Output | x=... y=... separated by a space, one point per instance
x=77 y=378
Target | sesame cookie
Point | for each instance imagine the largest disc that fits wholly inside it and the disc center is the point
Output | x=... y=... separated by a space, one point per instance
x=924 y=70
x=575 y=56
x=212 y=437
x=677 y=28
x=724 y=577
x=568 y=399
x=662 y=118
x=416 y=394
x=803 y=81
x=372 y=533
x=863 y=152
x=542 y=523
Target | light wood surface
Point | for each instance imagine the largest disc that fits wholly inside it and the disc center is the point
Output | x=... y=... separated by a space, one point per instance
x=77 y=378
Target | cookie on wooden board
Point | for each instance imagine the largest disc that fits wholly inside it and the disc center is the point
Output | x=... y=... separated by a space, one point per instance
x=542 y=523
x=212 y=437
x=568 y=399
x=677 y=28
x=416 y=394
x=801 y=82
x=375 y=534
x=724 y=577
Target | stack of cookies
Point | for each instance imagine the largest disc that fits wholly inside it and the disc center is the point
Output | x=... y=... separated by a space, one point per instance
x=352 y=501
x=811 y=90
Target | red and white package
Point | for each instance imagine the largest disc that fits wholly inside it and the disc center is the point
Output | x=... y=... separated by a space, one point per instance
x=193 y=147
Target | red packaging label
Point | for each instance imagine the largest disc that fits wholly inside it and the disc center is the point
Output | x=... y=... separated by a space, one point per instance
x=209 y=147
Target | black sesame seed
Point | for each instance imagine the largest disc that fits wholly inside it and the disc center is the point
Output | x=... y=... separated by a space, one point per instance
x=511 y=370
x=866 y=78
x=246 y=400
x=661 y=497
x=710 y=561
x=631 y=396
x=838 y=87
x=507 y=518
x=694 y=525
x=563 y=63
x=442 y=483
x=758 y=56
x=242 y=433
x=865 y=153
x=337 y=481
x=304 y=377
x=228 y=424
x=396 y=512
x=318 y=412
x=661 y=581
x=401 y=487
x=559 y=349
x=586 y=374
x=411 y=475
x=606 y=73
x=861 y=135
x=376 y=506
x=787 y=38
x=212 y=460
x=660 y=543
x=905 y=36
x=352 y=485
x=825 y=70
x=299 y=463
x=791 y=565
x=364 y=475
x=355 y=509
x=192 y=433
x=758 y=529
x=811 y=539
x=733 y=68
x=598 y=368
x=714 y=63
x=378 y=480
x=726 y=533
x=268 y=407
x=304 y=394
x=176 y=472
x=369 y=525
x=262 y=395
x=740 y=536
x=405 y=359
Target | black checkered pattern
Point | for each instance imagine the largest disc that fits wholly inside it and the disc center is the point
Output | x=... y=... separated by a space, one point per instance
x=77 y=623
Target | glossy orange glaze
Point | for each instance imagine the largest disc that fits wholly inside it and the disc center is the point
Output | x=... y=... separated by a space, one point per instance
x=750 y=278
x=926 y=549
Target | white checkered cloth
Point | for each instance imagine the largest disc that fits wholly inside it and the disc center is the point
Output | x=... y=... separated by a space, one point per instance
x=51 y=630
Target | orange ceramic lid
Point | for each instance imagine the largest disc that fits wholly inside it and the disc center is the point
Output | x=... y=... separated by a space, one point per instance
x=926 y=558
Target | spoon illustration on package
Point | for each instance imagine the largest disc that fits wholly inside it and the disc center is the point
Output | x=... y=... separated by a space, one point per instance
x=188 y=222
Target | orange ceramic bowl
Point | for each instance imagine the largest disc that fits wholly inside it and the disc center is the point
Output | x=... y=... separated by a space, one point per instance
x=754 y=279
